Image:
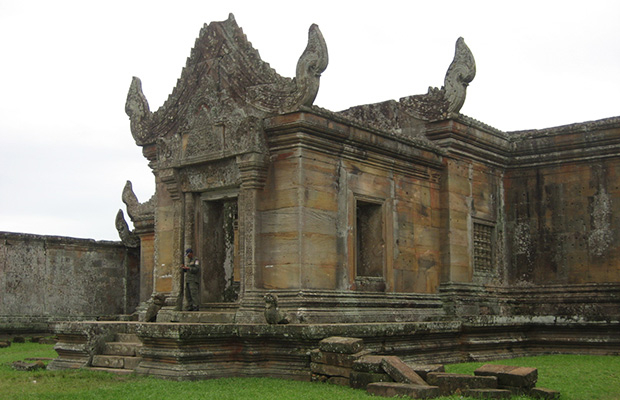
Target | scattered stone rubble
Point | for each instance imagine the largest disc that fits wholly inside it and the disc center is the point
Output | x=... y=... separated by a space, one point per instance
x=345 y=361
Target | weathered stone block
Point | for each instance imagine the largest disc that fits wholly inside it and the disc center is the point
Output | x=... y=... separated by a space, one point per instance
x=543 y=393
x=339 y=359
x=4 y=343
x=393 y=389
x=360 y=380
x=401 y=372
x=121 y=349
x=337 y=344
x=108 y=361
x=330 y=370
x=487 y=393
x=509 y=375
x=450 y=383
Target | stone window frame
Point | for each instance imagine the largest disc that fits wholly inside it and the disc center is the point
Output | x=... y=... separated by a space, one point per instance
x=491 y=270
x=370 y=283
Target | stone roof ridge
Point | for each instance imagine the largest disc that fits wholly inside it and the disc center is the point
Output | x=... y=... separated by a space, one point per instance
x=421 y=141
x=481 y=125
x=436 y=105
x=579 y=126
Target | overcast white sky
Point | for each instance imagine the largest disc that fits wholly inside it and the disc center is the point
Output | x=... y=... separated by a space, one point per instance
x=65 y=67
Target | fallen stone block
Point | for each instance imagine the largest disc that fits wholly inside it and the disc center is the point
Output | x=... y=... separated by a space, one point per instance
x=401 y=372
x=338 y=344
x=392 y=389
x=510 y=375
x=360 y=380
x=26 y=366
x=369 y=363
x=542 y=393
x=450 y=383
x=19 y=339
x=330 y=370
x=487 y=393
x=339 y=359
x=423 y=370
x=4 y=343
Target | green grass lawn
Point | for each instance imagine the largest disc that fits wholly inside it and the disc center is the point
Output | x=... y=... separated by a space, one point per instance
x=577 y=377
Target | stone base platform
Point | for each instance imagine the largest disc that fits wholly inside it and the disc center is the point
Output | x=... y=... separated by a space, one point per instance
x=186 y=351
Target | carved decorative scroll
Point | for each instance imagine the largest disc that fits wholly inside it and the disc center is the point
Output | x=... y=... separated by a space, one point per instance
x=128 y=238
x=140 y=116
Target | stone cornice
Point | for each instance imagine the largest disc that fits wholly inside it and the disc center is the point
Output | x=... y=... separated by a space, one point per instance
x=311 y=130
x=569 y=143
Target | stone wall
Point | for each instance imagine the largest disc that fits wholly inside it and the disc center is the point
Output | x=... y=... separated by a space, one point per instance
x=50 y=278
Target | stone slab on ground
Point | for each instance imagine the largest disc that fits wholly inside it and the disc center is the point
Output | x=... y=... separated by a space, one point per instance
x=338 y=344
x=487 y=393
x=401 y=372
x=423 y=370
x=339 y=359
x=450 y=383
x=510 y=375
x=4 y=343
x=26 y=366
x=330 y=370
x=543 y=393
x=392 y=389
x=360 y=380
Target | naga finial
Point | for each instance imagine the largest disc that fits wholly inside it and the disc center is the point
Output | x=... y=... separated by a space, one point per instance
x=288 y=95
x=460 y=73
x=137 y=108
x=311 y=65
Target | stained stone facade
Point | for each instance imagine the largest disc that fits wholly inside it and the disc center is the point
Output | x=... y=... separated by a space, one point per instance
x=464 y=241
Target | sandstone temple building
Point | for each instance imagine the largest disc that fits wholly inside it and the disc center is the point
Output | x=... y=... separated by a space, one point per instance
x=423 y=231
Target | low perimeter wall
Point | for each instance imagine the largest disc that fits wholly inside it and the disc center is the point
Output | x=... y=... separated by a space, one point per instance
x=51 y=278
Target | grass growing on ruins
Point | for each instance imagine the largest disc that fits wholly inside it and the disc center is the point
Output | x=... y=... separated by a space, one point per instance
x=577 y=377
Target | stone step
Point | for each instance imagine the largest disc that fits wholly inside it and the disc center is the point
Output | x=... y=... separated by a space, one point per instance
x=393 y=389
x=121 y=349
x=119 y=362
x=127 y=338
x=206 y=317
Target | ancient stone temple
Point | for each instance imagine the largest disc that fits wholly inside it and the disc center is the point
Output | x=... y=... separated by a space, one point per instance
x=423 y=231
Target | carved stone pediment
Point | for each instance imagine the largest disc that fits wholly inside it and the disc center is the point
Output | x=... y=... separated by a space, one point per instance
x=224 y=88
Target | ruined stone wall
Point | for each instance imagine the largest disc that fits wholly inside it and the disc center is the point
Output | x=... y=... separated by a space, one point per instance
x=562 y=206
x=45 y=278
x=563 y=223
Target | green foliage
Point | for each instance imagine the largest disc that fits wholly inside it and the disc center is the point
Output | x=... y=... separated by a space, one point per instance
x=577 y=377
